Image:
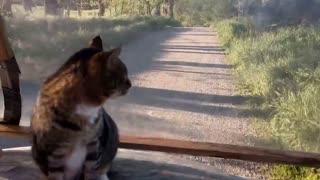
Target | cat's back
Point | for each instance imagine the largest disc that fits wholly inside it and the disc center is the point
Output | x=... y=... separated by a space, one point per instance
x=82 y=56
x=58 y=94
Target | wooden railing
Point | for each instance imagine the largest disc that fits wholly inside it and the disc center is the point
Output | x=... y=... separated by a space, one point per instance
x=198 y=148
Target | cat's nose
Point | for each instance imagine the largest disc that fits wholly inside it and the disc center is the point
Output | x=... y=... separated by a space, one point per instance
x=128 y=83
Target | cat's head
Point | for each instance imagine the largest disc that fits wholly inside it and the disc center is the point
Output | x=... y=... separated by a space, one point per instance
x=106 y=75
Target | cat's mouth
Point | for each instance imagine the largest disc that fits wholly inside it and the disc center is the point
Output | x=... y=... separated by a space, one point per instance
x=119 y=93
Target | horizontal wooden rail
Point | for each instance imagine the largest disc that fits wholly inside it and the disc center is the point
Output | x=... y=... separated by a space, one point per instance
x=199 y=149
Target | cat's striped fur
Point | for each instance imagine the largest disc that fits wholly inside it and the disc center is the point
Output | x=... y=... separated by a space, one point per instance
x=73 y=136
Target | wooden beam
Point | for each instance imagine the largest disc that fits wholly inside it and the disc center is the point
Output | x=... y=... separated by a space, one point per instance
x=199 y=149
x=15 y=131
x=226 y=151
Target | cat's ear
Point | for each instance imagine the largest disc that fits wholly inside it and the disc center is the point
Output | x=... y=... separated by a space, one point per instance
x=114 y=57
x=97 y=43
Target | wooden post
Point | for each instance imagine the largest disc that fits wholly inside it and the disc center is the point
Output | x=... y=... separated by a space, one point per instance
x=9 y=74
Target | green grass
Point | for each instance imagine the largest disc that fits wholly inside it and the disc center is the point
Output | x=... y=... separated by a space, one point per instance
x=41 y=45
x=283 y=68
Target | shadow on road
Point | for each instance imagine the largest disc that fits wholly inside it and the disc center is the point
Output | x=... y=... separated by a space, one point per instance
x=184 y=101
x=200 y=34
x=199 y=48
x=193 y=52
x=226 y=76
x=193 y=64
x=145 y=170
x=143 y=124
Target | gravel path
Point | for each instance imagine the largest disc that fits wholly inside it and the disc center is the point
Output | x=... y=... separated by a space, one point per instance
x=184 y=89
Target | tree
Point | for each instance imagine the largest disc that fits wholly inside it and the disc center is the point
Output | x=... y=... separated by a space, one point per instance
x=51 y=7
x=102 y=8
x=148 y=6
x=158 y=7
x=6 y=8
x=171 y=7
x=79 y=6
x=27 y=5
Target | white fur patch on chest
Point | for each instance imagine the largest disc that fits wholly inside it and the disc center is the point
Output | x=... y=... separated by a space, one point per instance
x=89 y=112
x=75 y=160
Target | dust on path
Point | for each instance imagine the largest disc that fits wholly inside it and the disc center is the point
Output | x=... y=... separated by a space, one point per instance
x=183 y=88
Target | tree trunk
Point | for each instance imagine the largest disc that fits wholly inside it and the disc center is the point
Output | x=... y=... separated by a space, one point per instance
x=165 y=11
x=6 y=8
x=122 y=7
x=148 y=10
x=102 y=8
x=27 y=5
x=158 y=9
x=116 y=9
x=131 y=7
x=51 y=7
x=68 y=8
x=148 y=6
x=239 y=8
x=79 y=8
x=171 y=7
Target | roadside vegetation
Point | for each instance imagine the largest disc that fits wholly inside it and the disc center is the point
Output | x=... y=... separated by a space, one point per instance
x=274 y=47
x=281 y=67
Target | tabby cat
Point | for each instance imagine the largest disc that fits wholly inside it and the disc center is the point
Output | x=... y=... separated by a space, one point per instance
x=73 y=136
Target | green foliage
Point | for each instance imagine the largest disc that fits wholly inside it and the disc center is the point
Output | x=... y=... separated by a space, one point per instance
x=233 y=29
x=203 y=12
x=43 y=44
x=297 y=122
x=282 y=67
x=85 y=8
x=294 y=173
x=263 y=12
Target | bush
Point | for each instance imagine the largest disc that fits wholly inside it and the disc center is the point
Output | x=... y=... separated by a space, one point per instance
x=232 y=29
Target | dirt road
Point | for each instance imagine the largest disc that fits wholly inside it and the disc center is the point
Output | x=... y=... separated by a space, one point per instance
x=183 y=88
